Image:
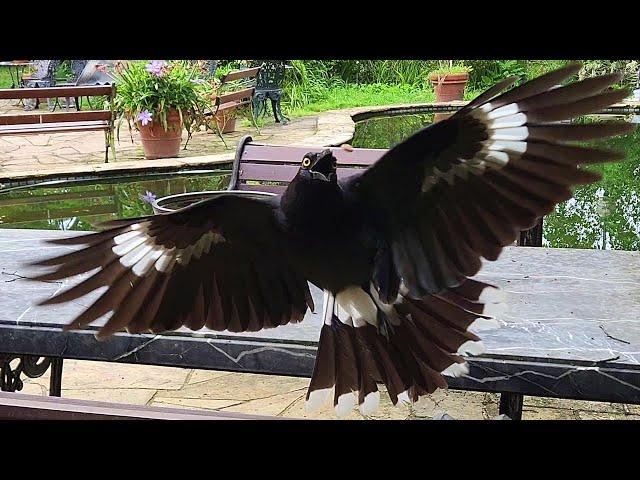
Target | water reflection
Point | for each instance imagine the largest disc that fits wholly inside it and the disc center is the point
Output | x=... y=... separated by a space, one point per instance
x=83 y=205
x=605 y=215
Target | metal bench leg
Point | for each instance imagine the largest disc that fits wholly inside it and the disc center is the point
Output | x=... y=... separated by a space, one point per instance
x=55 y=382
x=277 y=111
x=274 y=107
x=257 y=106
x=511 y=405
x=106 y=147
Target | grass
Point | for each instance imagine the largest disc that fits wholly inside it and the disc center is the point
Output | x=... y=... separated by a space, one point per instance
x=351 y=95
x=5 y=77
x=348 y=96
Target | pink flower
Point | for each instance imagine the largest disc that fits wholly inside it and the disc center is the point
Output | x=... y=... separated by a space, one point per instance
x=148 y=197
x=156 y=67
x=145 y=117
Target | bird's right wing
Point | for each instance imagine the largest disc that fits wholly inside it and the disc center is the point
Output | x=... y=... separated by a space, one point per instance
x=221 y=263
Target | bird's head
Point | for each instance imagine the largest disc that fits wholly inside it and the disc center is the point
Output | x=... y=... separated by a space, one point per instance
x=320 y=166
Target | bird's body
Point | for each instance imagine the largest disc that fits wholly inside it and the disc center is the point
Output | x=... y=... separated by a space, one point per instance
x=394 y=246
x=329 y=237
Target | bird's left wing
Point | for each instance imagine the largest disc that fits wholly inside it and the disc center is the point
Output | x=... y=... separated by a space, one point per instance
x=463 y=188
x=221 y=263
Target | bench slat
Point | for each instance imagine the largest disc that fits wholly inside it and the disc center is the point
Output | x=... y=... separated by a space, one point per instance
x=281 y=173
x=278 y=189
x=52 y=92
x=291 y=154
x=236 y=96
x=237 y=74
x=20 y=406
x=59 y=117
x=53 y=128
x=229 y=105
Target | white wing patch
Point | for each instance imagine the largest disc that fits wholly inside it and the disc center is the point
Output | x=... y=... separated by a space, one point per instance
x=355 y=307
x=507 y=140
x=139 y=251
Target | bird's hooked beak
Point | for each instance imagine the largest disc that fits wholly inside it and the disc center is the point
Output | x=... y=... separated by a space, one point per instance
x=325 y=167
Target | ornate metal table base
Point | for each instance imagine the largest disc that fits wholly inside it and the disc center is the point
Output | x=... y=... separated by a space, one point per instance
x=33 y=367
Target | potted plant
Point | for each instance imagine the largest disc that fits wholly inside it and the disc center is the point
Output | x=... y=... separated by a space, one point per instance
x=449 y=82
x=161 y=98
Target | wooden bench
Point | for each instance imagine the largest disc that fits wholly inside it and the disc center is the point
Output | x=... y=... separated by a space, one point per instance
x=270 y=168
x=236 y=90
x=61 y=122
x=580 y=346
x=19 y=406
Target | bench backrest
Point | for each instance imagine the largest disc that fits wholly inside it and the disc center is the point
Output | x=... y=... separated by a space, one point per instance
x=53 y=92
x=270 y=168
x=243 y=83
x=58 y=117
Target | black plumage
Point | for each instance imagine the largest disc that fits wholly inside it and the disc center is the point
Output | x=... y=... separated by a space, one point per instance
x=394 y=245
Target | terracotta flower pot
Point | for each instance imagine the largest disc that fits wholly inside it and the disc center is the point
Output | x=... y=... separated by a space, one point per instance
x=226 y=120
x=449 y=87
x=158 y=142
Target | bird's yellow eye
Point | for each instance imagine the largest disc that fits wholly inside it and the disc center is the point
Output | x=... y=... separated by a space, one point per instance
x=306 y=163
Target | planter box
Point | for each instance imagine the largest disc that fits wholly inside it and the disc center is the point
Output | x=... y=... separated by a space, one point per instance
x=226 y=120
x=449 y=87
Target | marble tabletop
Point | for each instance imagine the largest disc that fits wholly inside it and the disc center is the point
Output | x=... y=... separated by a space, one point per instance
x=565 y=307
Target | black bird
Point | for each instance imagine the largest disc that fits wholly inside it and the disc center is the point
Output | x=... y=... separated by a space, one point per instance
x=395 y=245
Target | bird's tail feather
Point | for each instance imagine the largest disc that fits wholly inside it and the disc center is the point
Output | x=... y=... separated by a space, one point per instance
x=408 y=345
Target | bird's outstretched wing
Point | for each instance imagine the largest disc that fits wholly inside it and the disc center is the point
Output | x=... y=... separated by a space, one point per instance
x=463 y=188
x=221 y=263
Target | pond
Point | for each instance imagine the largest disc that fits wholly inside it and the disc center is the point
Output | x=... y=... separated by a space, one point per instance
x=82 y=205
x=605 y=215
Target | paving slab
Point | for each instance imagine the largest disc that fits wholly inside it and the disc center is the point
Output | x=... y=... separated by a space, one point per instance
x=243 y=387
x=207 y=404
x=273 y=405
x=116 y=395
x=104 y=375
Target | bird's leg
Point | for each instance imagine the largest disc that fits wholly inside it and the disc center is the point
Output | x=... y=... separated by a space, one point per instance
x=328 y=307
x=385 y=327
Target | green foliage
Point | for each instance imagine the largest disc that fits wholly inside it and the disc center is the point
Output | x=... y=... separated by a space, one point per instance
x=489 y=72
x=628 y=69
x=452 y=69
x=605 y=214
x=64 y=72
x=347 y=96
x=5 y=77
x=305 y=83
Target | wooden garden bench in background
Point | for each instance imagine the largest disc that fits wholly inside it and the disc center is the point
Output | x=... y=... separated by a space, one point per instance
x=237 y=89
x=34 y=123
x=583 y=345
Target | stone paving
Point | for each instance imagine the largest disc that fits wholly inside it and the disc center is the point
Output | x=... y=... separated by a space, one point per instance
x=285 y=396
x=39 y=155
x=78 y=152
